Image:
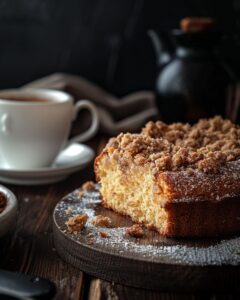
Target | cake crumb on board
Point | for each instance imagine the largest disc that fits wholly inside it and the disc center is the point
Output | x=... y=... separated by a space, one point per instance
x=81 y=194
x=69 y=210
x=76 y=224
x=103 y=234
x=135 y=231
x=90 y=242
x=101 y=221
x=88 y=186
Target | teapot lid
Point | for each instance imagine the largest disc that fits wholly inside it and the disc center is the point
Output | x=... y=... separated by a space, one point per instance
x=196 y=24
x=196 y=32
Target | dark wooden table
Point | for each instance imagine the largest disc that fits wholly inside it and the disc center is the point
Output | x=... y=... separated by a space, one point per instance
x=31 y=250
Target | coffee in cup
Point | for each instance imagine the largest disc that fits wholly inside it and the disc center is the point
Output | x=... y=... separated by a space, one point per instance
x=35 y=125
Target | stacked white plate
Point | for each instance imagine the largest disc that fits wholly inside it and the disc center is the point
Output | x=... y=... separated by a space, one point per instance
x=8 y=215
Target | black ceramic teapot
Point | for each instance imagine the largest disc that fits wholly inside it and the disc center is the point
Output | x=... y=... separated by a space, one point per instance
x=192 y=82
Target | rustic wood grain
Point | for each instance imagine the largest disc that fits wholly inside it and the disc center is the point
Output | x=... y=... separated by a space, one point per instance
x=31 y=249
x=103 y=290
x=95 y=290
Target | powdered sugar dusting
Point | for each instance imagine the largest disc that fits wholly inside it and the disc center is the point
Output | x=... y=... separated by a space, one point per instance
x=199 y=186
x=152 y=248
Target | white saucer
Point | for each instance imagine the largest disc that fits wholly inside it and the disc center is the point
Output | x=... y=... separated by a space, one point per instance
x=72 y=159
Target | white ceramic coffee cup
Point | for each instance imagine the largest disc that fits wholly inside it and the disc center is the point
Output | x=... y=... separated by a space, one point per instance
x=32 y=133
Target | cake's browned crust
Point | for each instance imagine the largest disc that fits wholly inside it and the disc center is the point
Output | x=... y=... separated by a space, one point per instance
x=185 y=186
x=195 y=175
x=203 y=218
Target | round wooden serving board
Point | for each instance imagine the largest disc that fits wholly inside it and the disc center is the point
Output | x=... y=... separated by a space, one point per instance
x=152 y=262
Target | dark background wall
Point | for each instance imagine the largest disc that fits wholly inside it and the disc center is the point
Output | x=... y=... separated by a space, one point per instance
x=102 y=40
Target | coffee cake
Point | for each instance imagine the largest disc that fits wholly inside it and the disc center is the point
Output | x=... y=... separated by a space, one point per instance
x=179 y=179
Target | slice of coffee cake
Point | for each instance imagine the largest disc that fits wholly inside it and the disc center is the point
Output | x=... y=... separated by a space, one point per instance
x=179 y=179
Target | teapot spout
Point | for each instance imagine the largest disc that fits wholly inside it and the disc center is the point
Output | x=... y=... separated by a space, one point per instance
x=161 y=48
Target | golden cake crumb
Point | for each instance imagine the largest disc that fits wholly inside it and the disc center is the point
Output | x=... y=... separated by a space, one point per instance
x=69 y=210
x=101 y=221
x=135 y=231
x=103 y=234
x=90 y=242
x=204 y=146
x=3 y=202
x=76 y=224
x=90 y=235
x=88 y=186
x=81 y=193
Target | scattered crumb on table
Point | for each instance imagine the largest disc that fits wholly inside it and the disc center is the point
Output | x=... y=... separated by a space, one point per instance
x=26 y=200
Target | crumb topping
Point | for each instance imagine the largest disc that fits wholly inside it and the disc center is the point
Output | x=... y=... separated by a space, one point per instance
x=101 y=221
x=204 y=146
x=3 y=202
x=135 y=231
x=76 y=224
x=88 y=186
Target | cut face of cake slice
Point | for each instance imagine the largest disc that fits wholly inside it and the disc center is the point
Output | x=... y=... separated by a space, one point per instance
x=179 y=179
x=131 y=192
